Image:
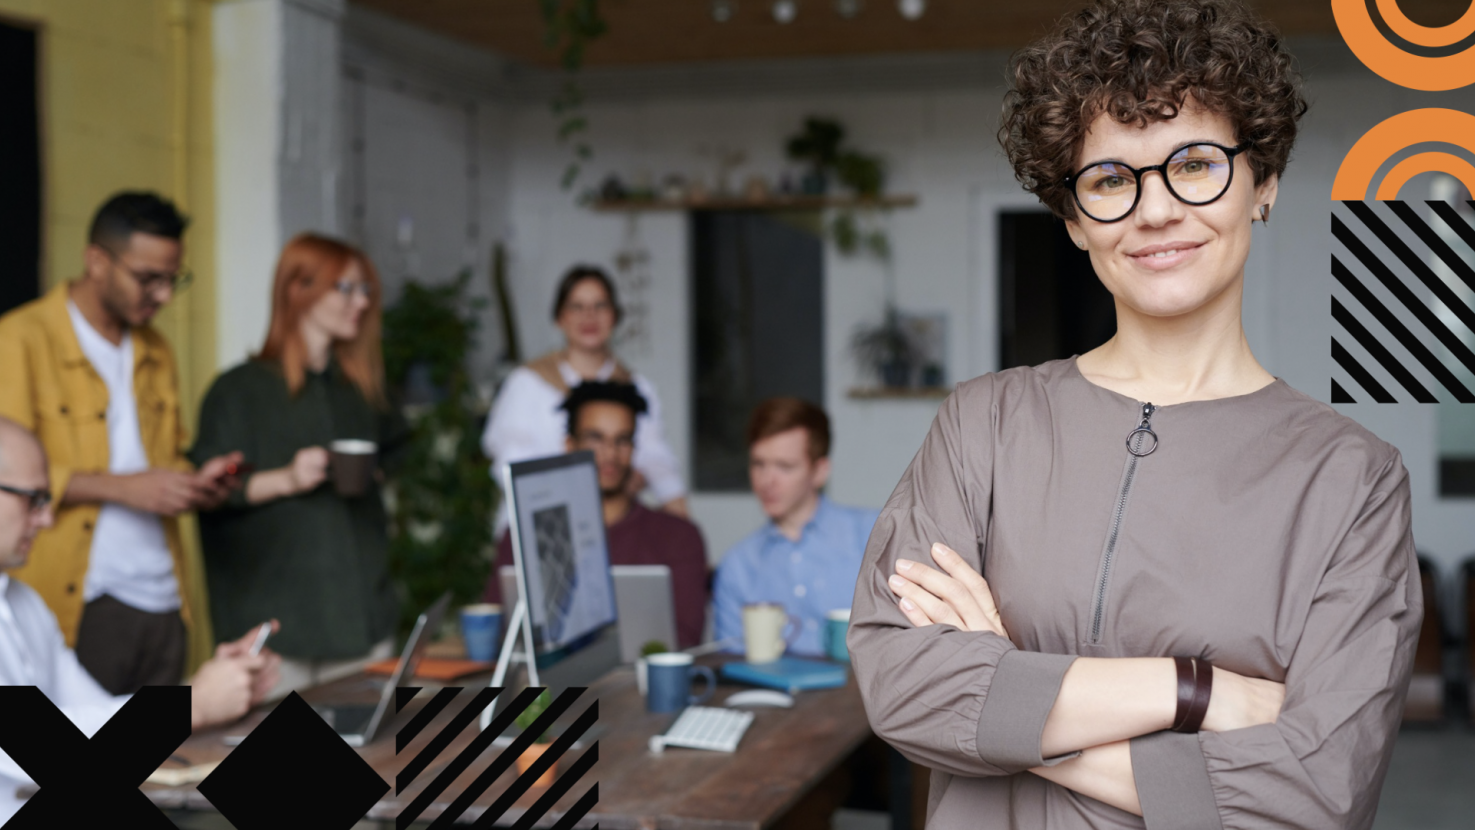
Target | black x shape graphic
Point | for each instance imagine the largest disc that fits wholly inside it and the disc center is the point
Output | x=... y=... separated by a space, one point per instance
x=87 y=783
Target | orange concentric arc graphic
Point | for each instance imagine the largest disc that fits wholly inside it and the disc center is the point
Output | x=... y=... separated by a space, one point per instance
x=1443 y=126
x=1393 y=63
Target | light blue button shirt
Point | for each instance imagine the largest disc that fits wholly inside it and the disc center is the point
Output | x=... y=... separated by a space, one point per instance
x=810 y=577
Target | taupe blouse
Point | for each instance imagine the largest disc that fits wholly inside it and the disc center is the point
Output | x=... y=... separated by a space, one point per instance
x=1266 y=532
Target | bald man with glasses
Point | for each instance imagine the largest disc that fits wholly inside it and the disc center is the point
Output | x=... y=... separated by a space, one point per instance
x=32 y=651
x=83 y=369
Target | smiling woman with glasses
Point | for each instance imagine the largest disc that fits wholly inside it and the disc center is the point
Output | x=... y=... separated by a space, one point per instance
x=1151 y=585
x=524 y=421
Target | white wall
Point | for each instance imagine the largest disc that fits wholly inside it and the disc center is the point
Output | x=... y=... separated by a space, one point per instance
x=426 y=160
x=933 y=117
x=941 y=147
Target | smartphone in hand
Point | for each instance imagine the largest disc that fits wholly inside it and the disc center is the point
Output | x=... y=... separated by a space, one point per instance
x=262 y=635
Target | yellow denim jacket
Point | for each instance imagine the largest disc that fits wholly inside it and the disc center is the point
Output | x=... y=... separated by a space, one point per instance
x=49 y=386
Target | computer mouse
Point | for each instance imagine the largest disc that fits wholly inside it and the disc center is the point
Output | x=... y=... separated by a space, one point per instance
x=760 y=697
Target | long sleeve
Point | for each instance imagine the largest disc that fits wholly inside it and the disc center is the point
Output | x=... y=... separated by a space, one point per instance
x=224 y=428
x=687 y=558
x=653 y=456
x=728 y=597
x=33 y=653
x=523 y=423
x=18 y=393
x=965 y=703
x=1321 y=764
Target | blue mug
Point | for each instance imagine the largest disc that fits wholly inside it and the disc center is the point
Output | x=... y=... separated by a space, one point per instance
x=480 y=625
x=668 y=682
x=837 y=623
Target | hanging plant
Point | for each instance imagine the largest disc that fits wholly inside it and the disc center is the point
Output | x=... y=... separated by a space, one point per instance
x=570 y=25
x=821 y=145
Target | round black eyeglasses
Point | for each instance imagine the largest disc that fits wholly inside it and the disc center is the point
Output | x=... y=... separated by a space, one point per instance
x=1196 y=175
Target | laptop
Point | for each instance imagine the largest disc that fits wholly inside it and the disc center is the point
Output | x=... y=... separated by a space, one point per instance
x=646 y=608
x=359 y=723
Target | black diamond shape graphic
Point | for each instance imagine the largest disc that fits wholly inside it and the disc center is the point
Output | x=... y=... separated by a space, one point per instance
x=293 y=771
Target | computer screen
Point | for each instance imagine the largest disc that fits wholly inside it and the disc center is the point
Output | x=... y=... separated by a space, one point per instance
x=559 y=546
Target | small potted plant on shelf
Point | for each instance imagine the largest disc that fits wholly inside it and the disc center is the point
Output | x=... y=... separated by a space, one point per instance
x=886 y=349
x=540 y=744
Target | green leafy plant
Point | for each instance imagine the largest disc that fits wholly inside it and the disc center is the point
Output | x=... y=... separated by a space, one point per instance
x=821 y=145
x=535 y=710
x=818 y=143
x=570 y=25
x=653 y=647
x=441 y=502
x=886 y=349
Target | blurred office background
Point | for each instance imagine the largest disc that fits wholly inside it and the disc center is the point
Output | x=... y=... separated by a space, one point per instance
x=423 y=131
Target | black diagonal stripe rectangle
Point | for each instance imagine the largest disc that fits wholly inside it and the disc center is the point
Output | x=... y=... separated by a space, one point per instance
x=580 y=809
x=524 y=781
x=566 y=781
x=1434 y=365
x=1339 y=395
x=454 y=769
x=1396 y=287
x=1389 y=363
x=426 y=714
x=1430 y=237
x=504 y=759
x=471 y=711
x=1359 y=374
x=1452 y=218
x=1414 y=262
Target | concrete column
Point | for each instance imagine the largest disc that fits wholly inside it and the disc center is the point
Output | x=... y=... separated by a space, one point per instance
x=277 y=149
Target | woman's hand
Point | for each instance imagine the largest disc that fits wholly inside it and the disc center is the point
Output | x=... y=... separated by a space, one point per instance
x=308 y=469
x=1239 y=702
x=957 y=596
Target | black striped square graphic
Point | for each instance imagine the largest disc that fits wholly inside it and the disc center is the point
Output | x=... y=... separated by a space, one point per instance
x=1404 y=302
x=442 y=766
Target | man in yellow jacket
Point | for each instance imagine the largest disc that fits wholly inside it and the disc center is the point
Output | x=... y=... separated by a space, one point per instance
x=83 y=370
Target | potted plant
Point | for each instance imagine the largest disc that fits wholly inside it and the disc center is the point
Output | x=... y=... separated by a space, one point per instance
x=819 y=146
x=651 y=647
x=442 y=499
x=886 y=349
x=540 y=744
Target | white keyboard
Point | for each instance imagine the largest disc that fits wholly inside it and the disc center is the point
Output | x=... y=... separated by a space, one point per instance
x=705 y=727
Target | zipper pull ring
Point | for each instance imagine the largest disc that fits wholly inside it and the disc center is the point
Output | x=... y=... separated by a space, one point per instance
x=1144 y=427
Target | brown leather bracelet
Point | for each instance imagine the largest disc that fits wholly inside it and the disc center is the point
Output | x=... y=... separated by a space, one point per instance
x=1184 y=666
x=1203 y=690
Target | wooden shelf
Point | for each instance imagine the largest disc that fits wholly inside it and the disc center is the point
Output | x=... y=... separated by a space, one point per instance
x=771 y=203
x=899 y=392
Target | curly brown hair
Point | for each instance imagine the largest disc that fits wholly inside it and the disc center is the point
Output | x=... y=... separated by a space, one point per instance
x=1138 y=60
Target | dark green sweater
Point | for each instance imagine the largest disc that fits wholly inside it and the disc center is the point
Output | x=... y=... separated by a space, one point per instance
x=317 y=562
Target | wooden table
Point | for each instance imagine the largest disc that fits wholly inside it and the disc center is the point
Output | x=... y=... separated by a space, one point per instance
x=782 y=757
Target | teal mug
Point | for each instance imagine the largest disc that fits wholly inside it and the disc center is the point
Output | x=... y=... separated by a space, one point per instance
x=837 y=622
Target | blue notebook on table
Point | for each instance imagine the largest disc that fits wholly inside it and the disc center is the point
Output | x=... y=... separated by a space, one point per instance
x=789 y=674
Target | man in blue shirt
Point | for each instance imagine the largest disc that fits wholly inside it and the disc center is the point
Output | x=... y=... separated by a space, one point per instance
x=807 y=557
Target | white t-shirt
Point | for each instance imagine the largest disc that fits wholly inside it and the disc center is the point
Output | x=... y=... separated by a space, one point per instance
x=526 y=422
x=33 y=653
x=130 y=556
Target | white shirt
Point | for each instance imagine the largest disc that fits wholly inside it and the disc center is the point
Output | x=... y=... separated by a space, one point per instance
x=526 y=422
x=130 y=556
x=33 y=653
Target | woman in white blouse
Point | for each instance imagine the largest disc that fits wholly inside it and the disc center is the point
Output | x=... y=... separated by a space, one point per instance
x=526 y=422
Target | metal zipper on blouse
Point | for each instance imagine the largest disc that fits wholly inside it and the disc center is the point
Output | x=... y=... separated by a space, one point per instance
x=1135 y=440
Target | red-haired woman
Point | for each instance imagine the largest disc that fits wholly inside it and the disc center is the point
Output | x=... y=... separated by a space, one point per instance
x=285 y=546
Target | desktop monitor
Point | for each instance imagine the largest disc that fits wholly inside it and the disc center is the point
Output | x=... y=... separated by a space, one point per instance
x=559 y=550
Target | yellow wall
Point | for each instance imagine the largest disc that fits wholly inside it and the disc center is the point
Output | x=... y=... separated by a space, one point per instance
x=125 y=92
